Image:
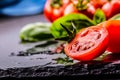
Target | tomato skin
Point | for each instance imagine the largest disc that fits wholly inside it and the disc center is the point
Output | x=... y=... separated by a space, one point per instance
x=52 y=13
x=88 y=12
x=70 y=9
x=91 y=53
x=98 y=3
x=113 y=27
x=111 y=8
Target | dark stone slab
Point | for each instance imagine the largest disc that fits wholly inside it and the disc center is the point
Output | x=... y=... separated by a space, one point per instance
x=83 y=70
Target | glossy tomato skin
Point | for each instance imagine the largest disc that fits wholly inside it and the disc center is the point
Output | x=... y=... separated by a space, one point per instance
x=89 y=11
x=52 y=13
x=113 y=27
x=111 y=8
x=98 y=3
x=70 y=9
x=88 y=44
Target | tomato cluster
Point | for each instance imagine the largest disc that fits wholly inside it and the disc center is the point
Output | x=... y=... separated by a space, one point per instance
x=56 y=8
x=93 y=41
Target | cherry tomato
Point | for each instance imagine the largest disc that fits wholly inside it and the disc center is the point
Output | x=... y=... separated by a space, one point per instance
x=111 y=8
x=113 y=27
x=54 y=9
x=75 y=7
x=70 y=9
x=88 y=44
x=98 y=3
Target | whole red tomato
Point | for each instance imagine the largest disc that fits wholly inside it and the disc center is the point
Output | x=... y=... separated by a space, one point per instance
x=80 y=7
x=54 y=9
x=98 y=3
x=88 y=44
x=111 y=8
x=70 y=9
x=113 y=28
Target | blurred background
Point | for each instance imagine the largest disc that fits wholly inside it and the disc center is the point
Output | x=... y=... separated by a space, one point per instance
x=21 y=7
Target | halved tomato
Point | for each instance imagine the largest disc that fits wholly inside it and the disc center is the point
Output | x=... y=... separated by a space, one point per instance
x=88 y=44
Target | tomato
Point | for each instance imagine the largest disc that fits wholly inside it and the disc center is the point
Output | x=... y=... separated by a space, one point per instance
x=111 y=8
x=90 y=11
x=70 y=9
x=98 y=3
x=88 y=43
x=113 y=27
x=54 y=9
x=77 y=7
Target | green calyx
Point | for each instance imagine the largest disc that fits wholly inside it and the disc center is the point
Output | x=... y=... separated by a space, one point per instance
x=82 y=5
x=56 y=3
x=70 y=34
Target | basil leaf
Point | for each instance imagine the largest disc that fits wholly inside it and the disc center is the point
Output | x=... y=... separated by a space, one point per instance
x=64 y=60
x=36 y=32
x=115 y=17
x=99 y=16
x=80 y=21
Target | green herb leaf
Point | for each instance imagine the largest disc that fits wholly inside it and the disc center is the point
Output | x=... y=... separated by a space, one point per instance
x=115 y=17
x=66 y=60
x=36 y=32
x=80 y=21
x=99 y=16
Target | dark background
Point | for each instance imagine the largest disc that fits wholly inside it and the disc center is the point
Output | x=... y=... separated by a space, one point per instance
x=10 y=41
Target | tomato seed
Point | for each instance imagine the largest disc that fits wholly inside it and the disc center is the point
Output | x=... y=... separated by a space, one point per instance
x=81 y=46
x=97 y=36
x=84 y=33
x=87 y=45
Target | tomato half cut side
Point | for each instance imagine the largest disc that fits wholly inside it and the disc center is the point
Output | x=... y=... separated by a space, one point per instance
x=88 y=44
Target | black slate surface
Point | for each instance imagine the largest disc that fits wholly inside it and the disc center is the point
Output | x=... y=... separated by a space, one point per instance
x=42 y=65
x=99 y=70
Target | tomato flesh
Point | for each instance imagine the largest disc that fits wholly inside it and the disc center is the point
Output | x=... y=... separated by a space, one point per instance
x=88 y=44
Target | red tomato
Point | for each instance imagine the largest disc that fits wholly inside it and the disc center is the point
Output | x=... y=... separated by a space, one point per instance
x=111 y=8
x=88 y=44
x=113 y=27
x=98 y=3
x=54 y=11
x=72 y=8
